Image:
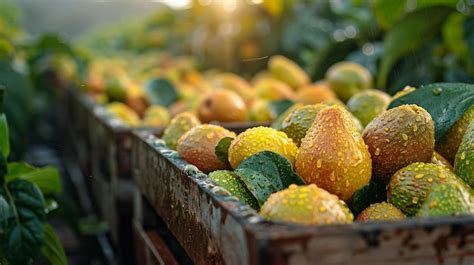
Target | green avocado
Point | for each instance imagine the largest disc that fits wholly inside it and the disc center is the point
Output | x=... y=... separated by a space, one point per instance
x=447 y=199
x=464 y=161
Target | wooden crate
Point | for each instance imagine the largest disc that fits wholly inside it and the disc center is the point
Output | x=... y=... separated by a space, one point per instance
x=106 y=145
x=215 y=228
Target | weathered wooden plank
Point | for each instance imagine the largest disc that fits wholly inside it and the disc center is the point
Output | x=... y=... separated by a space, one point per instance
x=228 y=232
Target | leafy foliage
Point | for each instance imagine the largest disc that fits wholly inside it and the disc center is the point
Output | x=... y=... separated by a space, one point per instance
x=409 y=35
x=23 y=230
x=161 y=92
x=446 y=102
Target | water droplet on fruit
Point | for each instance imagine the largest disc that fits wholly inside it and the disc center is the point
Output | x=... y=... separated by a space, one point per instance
x=404 y=136
x=377 y=151
x=414 y=200
x=437 y=91
x=463 y=155
x=319 y=163
x=419 y=176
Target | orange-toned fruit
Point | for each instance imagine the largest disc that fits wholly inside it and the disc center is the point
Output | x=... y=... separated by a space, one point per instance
x=318 y=92
x=307 y=205
x=333 y=155
x=399 y=137
x=197 y=146
x=383 y=211
x=236 y=84
x=222 y=106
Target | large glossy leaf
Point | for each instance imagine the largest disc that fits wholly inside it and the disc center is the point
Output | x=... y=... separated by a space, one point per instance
x=469 y=38
x=388 y=13
x=161 y=92
x=446 y=102
x=5 y=213
x=47 y=179
x=265 y=173
x=222 y=149
x=4 y=136
x=409 y=35
x=52 y=248
x=25 y=232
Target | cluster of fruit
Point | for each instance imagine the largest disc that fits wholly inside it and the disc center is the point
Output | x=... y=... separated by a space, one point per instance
x=149 y=90
x=318 y=158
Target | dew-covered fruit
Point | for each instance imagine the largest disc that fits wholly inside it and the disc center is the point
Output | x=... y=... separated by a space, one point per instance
x=307 y=205
x=258 y=139
x=197 y=146
x=333 y=154
x=297 y=123
x=447 y=199
x=464 y=161
x=409 y=187
x=399 y=137
x=383 y=211
x=180 y=124
x=449 y=144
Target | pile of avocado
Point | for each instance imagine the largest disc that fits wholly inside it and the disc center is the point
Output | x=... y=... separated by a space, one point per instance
x=375 y=157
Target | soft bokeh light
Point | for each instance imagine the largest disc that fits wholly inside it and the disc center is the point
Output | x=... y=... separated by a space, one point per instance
x=176 y=4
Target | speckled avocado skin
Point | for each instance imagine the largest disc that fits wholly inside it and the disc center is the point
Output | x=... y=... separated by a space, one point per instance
x=449 y=144
x=464 y=161
x=447 y=199
x=409 y=187
x=382 y=211
x=333 y=155
x=197 y=146
x=399 y=137
x=308 y=205
x=180 y=124
x=297 y=123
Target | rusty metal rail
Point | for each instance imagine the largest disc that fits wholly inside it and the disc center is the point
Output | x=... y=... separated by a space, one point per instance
x=215 y=228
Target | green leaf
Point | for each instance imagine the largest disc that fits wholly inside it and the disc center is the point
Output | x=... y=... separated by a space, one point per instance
x=2 y=96
x=453 y=35
x=5 y=213
x=367 y=195
x=388 y=13
x=446 y=102
x=409 y=35
x=25 y=232
x=469 y=38
x=47 y=179
x=4 y=136
x=52 y=248
x=222 y=149
x=161 y=92
x=3 y=168
x=278 y=107
x=265 y=173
